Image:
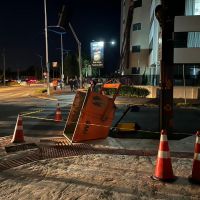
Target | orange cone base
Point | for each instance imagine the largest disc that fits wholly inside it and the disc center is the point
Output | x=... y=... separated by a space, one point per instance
x=193 y=181
x=163 y=170
x=18 y=137
x=57 y=120
x=19 y=140
x=58 y=117
x=195 y=176
x=169 y=180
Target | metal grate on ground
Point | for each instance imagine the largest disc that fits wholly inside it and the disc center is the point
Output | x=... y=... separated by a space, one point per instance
x=56 y=141
x=20 y=147
x=31 y=157
x=49 y=152
x=66 y=151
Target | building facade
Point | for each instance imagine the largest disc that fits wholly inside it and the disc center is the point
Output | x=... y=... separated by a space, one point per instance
x=141 y=41
x=138 y=32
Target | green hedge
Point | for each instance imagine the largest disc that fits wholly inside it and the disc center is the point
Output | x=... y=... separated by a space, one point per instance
x=40 y=91
x=129 y=91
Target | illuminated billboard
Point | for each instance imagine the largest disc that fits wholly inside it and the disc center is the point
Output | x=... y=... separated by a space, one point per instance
x=97 y=54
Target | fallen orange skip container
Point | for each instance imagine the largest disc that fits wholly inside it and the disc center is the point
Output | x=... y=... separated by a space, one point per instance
x=91 y=115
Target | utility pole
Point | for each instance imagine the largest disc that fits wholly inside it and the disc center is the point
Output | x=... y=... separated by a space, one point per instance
x=41 y=64
x=61 y=45
x=46 y=48
x=4 y=67
x=79 y=55
x=165 y=16
x=184 y=84
x=17 y=73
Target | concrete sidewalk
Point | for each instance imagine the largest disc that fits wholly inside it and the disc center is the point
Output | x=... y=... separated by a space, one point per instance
x=100 y=176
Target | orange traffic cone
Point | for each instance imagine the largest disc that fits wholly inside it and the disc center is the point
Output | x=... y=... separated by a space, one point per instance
x=58 y=115
x=18 y=135
x=163 y=170
x=195 y=177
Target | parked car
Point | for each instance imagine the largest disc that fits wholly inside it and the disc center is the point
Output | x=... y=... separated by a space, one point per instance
x=31 y=81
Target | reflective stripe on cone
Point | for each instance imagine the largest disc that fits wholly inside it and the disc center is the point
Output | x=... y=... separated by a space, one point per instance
x=18 y=135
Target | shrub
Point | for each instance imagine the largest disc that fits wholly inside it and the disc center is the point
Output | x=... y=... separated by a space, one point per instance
x=129 y=91
x=181 y=104
x=12 y=84
x=40 y=91
x=44 y=90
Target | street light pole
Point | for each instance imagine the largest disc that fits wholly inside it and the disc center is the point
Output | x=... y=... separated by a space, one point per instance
x=4 y=68
x=61 y=45
x=41 y=64
x=79 y=54
x=80 y=65
x=46 y=47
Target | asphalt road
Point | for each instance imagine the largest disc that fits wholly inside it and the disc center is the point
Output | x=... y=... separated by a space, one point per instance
x=185 y=120
x=38 y=113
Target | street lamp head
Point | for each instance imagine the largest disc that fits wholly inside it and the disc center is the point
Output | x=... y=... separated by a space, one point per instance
x=113 y=42
x=102 y=43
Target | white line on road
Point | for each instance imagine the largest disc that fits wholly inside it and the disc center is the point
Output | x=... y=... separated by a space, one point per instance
x=35 y=123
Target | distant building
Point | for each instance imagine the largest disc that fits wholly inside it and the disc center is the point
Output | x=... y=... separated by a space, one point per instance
x=141 y=41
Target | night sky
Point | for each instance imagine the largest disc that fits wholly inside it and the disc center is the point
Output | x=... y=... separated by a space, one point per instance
x=22 y=30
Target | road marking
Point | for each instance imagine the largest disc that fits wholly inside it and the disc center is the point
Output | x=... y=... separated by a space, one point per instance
x=25 y=122
x=41 y=118
x=11 y=95
x=29 y=113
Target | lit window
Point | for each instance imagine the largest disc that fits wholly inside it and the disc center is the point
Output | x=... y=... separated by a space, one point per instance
x=135 y=70
x=136 y=49
x=124 y=3
x=137 y=3
x=136 y=26
x=192 y=7
x=151 y=46
x=197 y=7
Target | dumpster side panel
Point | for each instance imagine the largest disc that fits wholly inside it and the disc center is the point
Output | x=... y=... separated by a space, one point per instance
x=95 y=119
x=74 y=113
